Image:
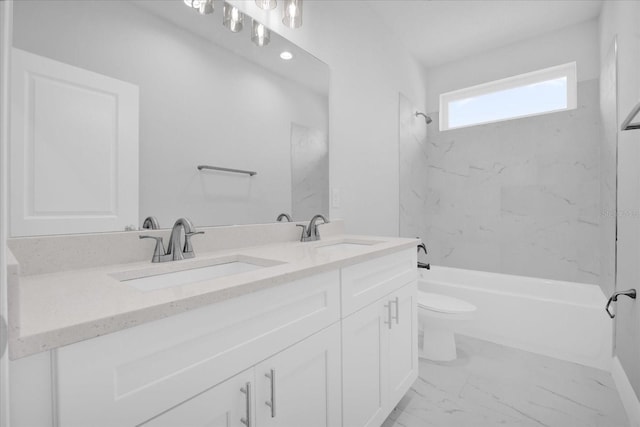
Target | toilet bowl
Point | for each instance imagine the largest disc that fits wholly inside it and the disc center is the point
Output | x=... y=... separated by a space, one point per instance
x=438 y=316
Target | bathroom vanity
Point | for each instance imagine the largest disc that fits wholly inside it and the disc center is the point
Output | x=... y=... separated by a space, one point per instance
x=313 y=334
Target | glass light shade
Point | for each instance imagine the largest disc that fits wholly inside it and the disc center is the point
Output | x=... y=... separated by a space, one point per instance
x=260 y=34
x=266 y=4
x=205 y=7
x=292 y=16
x=232 y=18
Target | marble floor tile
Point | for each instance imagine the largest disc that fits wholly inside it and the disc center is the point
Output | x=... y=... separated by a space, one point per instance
x=493 y=385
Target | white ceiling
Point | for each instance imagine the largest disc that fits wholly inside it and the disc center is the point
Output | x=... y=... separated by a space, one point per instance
x=441 y=31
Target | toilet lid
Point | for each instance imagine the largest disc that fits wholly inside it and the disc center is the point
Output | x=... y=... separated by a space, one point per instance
x=443 y=303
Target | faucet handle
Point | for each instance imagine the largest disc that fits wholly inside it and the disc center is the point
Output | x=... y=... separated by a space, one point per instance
x=303 y=235
x=159 y=249
x=188 y=249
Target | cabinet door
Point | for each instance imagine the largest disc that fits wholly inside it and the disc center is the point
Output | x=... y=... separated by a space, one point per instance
x=365 y=343
x=301 y=385
x=403 y=342
x=226 y=405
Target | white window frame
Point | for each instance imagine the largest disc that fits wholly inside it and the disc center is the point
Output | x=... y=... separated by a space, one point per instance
x=568 y=70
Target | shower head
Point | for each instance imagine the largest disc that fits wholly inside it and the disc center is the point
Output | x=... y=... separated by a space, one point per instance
x=426 y=118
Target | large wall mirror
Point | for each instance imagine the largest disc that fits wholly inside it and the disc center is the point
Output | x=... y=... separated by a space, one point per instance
x=116 y=103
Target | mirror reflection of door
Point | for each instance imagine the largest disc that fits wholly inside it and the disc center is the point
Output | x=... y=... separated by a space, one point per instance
x=74 y=149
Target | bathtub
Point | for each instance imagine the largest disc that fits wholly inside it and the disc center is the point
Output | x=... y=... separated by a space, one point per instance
x=560 y=319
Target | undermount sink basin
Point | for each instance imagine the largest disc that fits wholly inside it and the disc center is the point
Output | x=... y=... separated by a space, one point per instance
x=152 y=279
x=345 y=246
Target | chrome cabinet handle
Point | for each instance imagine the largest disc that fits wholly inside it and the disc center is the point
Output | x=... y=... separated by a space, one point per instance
x=397 y=303
x=272 y=403
x=388 y=307
x=247 y=390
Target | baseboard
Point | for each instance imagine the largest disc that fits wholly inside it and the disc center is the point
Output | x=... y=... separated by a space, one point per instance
x=627 y=394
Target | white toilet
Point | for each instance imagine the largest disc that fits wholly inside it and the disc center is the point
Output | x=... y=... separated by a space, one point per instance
x=438 y=315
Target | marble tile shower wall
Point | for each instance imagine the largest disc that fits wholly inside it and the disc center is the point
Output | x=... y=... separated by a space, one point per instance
x=309 y=172
x=517 y=197
x=608 y=170
x=414 y=163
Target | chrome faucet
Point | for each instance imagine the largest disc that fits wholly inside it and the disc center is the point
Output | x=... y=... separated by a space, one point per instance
x=151 y=223
x=175 y=251
x=310 y=233
x=283 y=216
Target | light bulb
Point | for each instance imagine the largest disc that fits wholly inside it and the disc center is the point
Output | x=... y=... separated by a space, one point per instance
x=292 y=16
x=266 y=4
x=260 y=34
x=205 y=7
x=232 y=18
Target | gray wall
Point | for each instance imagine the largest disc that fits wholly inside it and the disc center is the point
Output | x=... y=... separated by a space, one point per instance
x=520 y=196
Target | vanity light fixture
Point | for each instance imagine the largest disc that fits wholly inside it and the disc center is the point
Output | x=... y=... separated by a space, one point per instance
x=232 y=18
x=286 y=55
x=205 y=7
x=260 y=34
x=266 y=4
x=292 y=16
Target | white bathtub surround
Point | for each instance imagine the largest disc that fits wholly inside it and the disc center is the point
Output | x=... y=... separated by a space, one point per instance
x=627 y=394
x=517 y=197
x=558 y=319
x=59 y=308
x=491 y=385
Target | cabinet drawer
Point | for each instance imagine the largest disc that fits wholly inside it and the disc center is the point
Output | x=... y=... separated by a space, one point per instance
x=364 y=283
x=130 y=376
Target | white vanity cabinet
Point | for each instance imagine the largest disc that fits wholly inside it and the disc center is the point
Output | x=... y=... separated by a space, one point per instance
x=379 y=341
x=127 y=378
x=337 y=348
x=299 y=386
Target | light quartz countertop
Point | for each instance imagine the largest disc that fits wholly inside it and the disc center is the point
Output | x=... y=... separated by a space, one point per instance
x=61 y=308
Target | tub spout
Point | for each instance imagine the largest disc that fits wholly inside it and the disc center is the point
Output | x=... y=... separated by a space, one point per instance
x=424 y=265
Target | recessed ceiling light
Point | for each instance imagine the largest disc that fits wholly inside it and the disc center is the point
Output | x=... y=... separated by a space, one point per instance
x=286 y=55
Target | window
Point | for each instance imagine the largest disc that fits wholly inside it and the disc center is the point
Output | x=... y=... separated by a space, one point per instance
x=539 y=92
